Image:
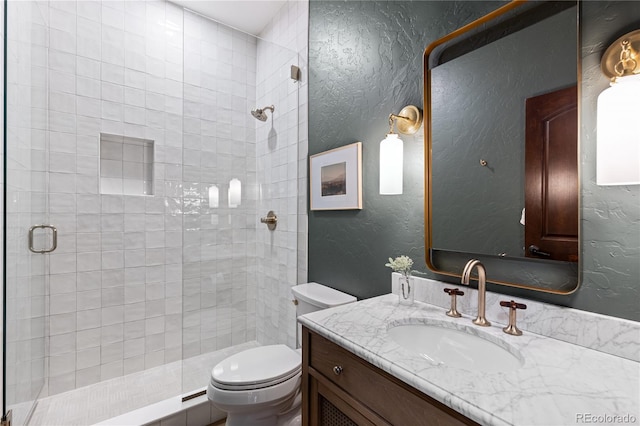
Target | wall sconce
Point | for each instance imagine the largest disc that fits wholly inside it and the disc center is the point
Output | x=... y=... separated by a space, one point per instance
x=391 y=150
x=618 y=141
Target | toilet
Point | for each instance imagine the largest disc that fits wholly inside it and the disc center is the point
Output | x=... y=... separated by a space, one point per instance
x=261 y=386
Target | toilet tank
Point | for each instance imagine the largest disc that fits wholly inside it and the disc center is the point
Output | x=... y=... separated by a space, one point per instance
x=311 y=297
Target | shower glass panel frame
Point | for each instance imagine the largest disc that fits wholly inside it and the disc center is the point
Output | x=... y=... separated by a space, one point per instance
x=26 y=150
x=234 y=268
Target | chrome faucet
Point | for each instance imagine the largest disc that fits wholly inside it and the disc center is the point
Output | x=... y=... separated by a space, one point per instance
x=482 y=289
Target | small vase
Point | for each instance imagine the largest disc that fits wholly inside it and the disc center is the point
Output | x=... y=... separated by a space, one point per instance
x=406 y=292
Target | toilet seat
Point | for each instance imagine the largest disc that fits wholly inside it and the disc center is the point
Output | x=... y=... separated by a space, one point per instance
x=256 y=368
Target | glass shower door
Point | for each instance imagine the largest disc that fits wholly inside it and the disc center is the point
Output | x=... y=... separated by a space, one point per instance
x=25 y=177
x=236 y=167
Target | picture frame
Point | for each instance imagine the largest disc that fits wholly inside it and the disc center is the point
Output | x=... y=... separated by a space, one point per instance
x=335 y=178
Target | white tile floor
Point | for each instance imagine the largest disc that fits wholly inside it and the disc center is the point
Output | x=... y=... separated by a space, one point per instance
x=111 y=398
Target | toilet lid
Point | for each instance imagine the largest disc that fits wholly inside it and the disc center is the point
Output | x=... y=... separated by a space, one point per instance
x=256 y=368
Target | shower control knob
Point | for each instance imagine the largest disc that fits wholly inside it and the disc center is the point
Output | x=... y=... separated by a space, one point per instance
x=337 y=370
x=271 y=220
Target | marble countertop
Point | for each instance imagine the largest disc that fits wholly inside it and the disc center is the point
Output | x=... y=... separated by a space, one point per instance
x=558 y=384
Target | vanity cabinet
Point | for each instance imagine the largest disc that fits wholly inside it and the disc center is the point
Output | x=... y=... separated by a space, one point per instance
x=341 y=389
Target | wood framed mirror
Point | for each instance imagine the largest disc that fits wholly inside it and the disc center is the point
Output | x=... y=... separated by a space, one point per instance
x=502 y=179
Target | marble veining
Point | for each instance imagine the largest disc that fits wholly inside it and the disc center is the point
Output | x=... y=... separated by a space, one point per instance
x=557 y=383
x=616 y=336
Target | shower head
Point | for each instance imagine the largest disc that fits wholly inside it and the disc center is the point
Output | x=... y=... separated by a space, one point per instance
x=260 y=114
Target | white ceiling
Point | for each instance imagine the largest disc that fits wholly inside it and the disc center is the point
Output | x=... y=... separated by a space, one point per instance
x=250 y=16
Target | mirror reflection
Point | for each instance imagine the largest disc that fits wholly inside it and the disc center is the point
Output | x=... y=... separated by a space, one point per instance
x=481 y=105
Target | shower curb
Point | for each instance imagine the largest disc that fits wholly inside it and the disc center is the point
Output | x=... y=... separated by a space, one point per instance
x=172 y=411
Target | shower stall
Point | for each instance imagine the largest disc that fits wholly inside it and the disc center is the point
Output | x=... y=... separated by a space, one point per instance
x=135 y=177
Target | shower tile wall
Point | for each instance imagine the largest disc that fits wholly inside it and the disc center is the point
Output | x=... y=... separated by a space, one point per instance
x=219 y=146
x=282 y=170
x=116 y=291
x=116 y=294
x=299 y=13
x=26 y=185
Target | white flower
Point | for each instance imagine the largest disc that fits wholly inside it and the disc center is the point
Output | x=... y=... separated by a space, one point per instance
x=401 y=264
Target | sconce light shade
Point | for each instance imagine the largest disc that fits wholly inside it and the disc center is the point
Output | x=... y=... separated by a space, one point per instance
x=618 y=143
x=391 y=150
x=214 y=197
x=618 y=146
x=235 y=193
x=391 y=161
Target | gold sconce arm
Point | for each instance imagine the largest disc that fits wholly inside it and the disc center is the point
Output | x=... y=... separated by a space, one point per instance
x=408 y=121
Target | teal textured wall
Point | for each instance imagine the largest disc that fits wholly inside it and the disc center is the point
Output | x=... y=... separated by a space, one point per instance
x=365 y=61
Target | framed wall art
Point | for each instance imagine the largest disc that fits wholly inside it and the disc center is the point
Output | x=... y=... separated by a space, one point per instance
x=335 y=178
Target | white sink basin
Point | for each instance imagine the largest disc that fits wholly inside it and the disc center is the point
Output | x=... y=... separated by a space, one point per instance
x=459 y=348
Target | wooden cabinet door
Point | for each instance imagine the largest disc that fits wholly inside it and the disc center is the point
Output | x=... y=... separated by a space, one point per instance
x=331 y=407
x=551 y=176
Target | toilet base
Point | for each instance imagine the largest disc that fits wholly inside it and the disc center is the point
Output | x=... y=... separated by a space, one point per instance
x=293 y=417
x=286 y=413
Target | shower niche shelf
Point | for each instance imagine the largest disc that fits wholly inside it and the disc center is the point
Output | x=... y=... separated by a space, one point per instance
x=126 y=165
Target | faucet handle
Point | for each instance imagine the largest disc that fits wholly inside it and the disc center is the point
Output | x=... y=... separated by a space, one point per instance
x=513 y=306
x=453 y=292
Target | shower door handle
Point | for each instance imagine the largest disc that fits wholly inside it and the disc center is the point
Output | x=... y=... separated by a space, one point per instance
x=54 y=242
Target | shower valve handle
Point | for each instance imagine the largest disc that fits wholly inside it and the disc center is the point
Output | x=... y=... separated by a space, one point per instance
x=271 y=220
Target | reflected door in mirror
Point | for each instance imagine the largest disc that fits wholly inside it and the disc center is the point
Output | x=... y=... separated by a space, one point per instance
x=551 y=176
